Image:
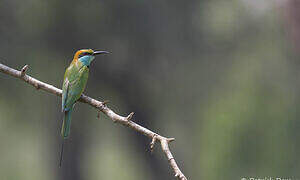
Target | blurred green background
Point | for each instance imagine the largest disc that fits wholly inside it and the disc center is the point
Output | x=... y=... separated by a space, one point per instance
x=219 y=76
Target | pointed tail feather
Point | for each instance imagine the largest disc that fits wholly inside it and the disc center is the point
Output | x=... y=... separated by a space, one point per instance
x=66 y=125
x=61 y=153
x=65 y=131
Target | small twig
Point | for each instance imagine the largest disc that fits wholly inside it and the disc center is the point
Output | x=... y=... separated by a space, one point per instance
x=100 y=106
x=23 y=70
x=170 y=140
x=105 y=102
x=153 y=143
x=98 y=114
x=129 y=117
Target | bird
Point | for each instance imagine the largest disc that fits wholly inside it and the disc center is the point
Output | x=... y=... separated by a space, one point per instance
x=75 y=80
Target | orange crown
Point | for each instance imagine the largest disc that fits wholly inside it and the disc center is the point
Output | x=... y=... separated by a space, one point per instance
x=79 y=52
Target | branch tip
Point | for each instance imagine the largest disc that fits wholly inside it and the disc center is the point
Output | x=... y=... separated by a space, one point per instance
x=23 y=70
x=170 y=140
x=105 y=102
x=128 y=118
x=180 y=176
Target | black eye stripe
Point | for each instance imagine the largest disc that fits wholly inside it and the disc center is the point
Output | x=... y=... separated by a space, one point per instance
x=84 y=54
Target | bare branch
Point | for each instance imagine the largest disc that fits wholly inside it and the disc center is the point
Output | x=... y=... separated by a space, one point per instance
x=101 y=106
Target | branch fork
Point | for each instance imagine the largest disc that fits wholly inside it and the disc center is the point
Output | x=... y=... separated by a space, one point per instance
x=101 y=106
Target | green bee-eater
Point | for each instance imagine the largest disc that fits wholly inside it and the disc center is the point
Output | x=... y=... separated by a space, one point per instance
x=75 y=80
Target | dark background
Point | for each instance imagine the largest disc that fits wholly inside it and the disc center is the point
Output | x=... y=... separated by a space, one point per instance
x=219 y=76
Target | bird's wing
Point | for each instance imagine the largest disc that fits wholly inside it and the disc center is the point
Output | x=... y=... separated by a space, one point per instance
x=73 y=86
x=65 y=91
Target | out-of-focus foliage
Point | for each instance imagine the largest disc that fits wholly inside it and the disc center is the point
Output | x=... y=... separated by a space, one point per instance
x=219 y=76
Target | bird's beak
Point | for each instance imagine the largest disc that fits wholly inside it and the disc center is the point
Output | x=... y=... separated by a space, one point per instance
x=100 y=52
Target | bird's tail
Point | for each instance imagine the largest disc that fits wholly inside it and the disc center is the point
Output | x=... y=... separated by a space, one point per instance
x=61 y=152
x=66 y=124
x=65 y=131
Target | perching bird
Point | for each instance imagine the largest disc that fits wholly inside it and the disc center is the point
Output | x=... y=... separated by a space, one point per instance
x=75 y=80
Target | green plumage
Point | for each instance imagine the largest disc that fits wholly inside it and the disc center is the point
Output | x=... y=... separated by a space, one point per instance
x=75 y=80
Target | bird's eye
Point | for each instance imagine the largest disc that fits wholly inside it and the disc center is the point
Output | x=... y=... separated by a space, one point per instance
x=83 y=54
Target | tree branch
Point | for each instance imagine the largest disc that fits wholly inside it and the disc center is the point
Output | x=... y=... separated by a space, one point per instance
x=126 y=121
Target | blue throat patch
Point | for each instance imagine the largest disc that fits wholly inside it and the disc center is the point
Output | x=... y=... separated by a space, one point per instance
x=86 y=60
